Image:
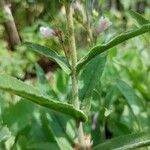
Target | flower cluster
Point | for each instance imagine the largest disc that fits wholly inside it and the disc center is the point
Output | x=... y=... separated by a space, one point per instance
x=46 y=31
x=103 y=24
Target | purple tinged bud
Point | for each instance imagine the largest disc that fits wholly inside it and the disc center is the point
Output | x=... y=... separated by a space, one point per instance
x=103 y=24
x=46 y=31
x=74 y=6
x=95 y=117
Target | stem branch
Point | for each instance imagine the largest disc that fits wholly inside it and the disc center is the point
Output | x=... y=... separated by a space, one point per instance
x=73 y=57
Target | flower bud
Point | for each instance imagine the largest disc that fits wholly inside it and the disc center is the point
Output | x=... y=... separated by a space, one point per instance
x=87 y=142
x=95 y=117
x=46 y=31
x=103 y=24
x=75 y=6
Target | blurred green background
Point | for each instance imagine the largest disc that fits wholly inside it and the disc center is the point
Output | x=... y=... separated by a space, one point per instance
x=122 y=96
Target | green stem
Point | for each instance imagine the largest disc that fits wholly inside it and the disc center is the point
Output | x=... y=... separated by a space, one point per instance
x=73 y=57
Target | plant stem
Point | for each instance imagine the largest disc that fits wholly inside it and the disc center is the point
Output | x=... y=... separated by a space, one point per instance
x=10 y=26
x=73 y=57
x=89 y=30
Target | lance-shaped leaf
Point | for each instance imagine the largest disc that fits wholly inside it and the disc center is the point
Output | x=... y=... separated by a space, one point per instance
x=130 y=95
x=19 y=88
x=138 y=17
x=51 y=54
x=114 y=42
x=126 y=142
x=91 y=75
x=132 y=99
x=55 y=124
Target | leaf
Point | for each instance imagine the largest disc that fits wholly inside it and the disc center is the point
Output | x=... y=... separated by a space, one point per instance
x=111 y=95
x=117 y=128
x=134 y=102
x=138 y=17
x=43 y=83
x=22 y=111
x=61 y=81
x=114 y=42
x=19 y=88
x=91 y=75
x=130 y=95
x=125 y=142
x=42 y=146
x=53 y=123
x=46 y=126
x=61 y=129
x=51 y=54
x=4 y=133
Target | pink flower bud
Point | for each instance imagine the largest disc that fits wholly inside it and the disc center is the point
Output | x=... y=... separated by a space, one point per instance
x=46 y=31
x=103 y=24
x=95 y=118
x=74 y=6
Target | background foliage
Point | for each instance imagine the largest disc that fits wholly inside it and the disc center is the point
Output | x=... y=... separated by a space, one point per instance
x=119 y=85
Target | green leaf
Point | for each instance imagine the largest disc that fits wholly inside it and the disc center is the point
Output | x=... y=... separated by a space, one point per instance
x=42 y=146
x=135 y=104
x=61 y=129
x=51 y=54
x=61 y=81
x=43 y=83
x=125 y=142
x=117 y=128
x=130 y=95
x=55 y=124
x=114 y=42
x=46 y=126
x=138 y=17
x=4 y=133
x=22 y=111
x=91 y=75
x=19 y=88
x=111 y=95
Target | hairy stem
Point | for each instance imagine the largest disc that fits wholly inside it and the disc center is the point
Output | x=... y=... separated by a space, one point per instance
x=73 y=57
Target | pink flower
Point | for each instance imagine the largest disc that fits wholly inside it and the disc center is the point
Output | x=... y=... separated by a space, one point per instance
x=103 y=24
x=46 y=31
x=75 y=6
